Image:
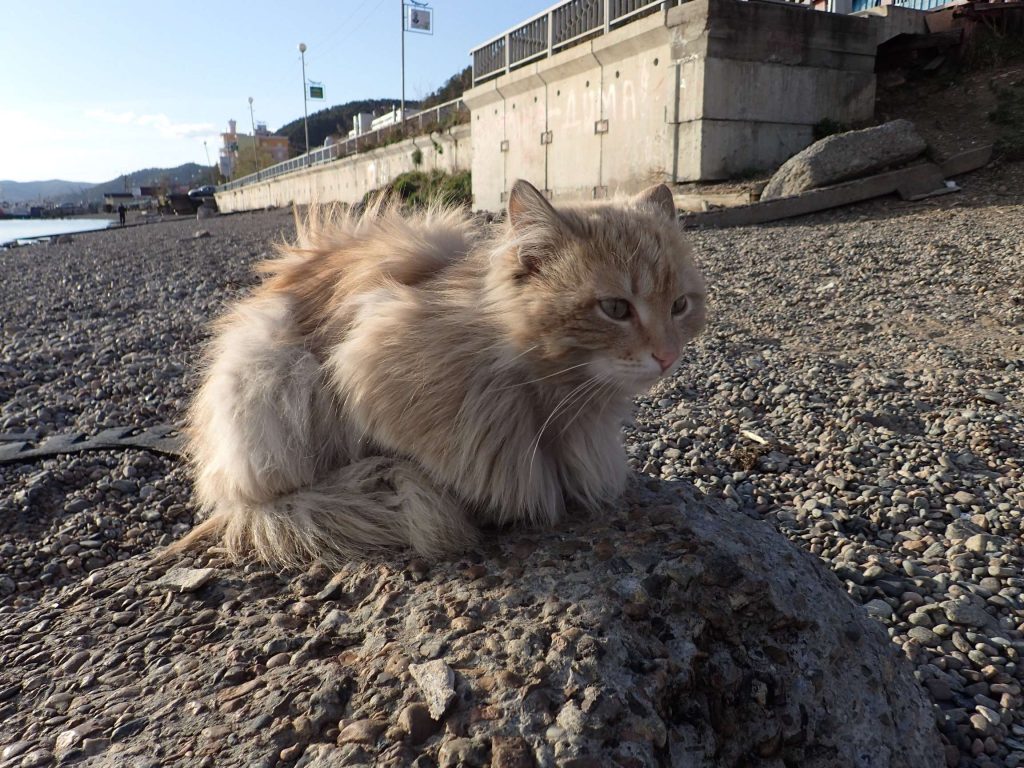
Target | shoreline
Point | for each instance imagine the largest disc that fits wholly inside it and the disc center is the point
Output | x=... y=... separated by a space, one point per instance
x=112 y=226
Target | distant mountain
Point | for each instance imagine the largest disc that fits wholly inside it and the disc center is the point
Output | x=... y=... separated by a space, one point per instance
x=59 y=191
x=334 y=121
x=179 y=178
x=31 y=191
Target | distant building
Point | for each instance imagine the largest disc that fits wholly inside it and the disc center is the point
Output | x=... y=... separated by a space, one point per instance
x=235 y=143
x=391 y=118
x=111 y=200
x=361 y=124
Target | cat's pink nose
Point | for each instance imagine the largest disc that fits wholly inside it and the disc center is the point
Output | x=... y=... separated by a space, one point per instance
x=665 y=359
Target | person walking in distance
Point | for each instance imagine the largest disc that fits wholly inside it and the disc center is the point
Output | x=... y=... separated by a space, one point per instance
x=121 y=213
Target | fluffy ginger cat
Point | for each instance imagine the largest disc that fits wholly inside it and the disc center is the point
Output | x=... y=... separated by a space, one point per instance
x=399 y=378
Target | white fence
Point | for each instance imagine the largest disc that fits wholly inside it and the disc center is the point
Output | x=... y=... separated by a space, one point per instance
x=443 y=115
x=560 y=26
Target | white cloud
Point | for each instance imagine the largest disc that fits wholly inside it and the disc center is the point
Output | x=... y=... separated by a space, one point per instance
x=121 y=118
x=91 y=144
x=166 y=127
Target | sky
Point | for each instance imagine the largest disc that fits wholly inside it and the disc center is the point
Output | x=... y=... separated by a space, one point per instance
x=89 y=92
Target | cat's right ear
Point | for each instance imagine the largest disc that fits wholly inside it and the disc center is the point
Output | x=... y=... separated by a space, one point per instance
x=528 y=208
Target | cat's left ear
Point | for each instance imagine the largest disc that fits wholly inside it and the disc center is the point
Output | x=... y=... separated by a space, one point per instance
x=660 y=197
x=527 y=207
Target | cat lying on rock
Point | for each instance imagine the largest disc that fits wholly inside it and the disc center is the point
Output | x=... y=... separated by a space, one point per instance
x=399 y=379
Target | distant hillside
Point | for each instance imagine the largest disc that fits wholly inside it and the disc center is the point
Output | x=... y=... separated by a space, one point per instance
x=337 y=120
x=333 y=121
x=59 y=191
x=183 y=176
x=454 y=87
x=31 y=191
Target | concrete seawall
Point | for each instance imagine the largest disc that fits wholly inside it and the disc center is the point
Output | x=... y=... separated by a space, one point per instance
x=349 y=179
x=703 y=91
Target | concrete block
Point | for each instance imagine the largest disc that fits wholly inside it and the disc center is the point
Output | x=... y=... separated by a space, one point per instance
x=733 y=148
x=777 y=93
x=893 y=20
x=965 y=162
x=815 y=200
x=847 y=155
x=929 y=182
x=782 y=33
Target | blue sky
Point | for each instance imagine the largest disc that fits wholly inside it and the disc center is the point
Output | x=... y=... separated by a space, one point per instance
x=90 y=91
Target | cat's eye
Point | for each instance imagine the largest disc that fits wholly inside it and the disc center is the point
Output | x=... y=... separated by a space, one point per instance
x=679 y=305
x=616 y=309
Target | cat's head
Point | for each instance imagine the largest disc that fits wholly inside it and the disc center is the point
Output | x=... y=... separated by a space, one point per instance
x=609 y=288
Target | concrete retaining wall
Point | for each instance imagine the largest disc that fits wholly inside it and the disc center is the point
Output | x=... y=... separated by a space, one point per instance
x=584 y=123
x=707 y=90
x=349 y=179
x=768 y=73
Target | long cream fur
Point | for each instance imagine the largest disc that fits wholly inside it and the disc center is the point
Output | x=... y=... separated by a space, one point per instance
x=400 y=378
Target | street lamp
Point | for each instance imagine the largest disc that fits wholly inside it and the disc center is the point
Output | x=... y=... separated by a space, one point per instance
x=402 y=4
x=208 y=163
x=255 y=152
x=305 y=93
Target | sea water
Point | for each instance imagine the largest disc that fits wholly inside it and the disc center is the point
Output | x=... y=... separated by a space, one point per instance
x=20 y=230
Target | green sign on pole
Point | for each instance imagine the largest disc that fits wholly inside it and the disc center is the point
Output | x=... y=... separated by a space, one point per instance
x=316 y=91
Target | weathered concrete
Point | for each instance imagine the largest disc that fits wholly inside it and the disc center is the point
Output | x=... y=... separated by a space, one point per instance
x=585 y=122
x=348 y=179
x=912 y=183
x=769 y=73
x=847 y=155
x=808 y=202
x=706 y=90
x=896 y=20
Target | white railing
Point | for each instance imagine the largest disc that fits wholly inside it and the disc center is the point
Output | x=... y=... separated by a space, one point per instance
x=432 y=118
x=561 y=26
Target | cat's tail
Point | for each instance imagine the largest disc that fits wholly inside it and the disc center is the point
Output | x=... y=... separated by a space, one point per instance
x=375 y=504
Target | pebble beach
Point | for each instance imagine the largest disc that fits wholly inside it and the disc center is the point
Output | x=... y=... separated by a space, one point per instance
x=860 y=388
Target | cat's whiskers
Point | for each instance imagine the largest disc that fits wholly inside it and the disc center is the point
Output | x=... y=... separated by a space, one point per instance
x=600 y=390
x=542 y=378
x=507 y=363
x=577 y=391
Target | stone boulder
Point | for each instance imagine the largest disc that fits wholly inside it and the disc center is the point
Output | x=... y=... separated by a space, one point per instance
x=672 y=632
x=845 y=156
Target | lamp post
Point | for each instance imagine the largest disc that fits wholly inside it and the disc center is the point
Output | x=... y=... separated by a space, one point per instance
x=305 y=94
x=402 y=4
x=255 y=152
x=207 y=150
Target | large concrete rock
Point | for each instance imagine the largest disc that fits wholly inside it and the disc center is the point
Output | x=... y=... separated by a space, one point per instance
x=672 y=633
x=844 y=156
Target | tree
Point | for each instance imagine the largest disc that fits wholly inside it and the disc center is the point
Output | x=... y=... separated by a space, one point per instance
x=245 y=161
x=453 y=88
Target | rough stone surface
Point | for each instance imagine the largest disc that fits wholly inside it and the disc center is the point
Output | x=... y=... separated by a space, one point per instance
x=698 y=633
x=842 y=395
x=186 y=579
x=845 y=156
x=437 y=682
